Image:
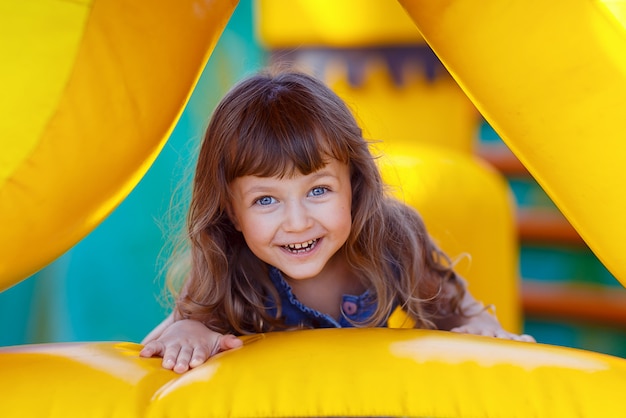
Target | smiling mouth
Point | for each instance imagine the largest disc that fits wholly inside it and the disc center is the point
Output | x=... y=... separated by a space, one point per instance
x=301 y=247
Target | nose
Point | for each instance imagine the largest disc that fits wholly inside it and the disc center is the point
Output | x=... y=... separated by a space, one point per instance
x=297 y=216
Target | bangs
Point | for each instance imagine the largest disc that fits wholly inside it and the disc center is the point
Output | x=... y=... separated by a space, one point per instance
x=281 y=126
x=283 y=144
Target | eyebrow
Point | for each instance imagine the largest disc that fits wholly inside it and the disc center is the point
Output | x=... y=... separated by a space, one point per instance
x=322 y=173
x=314 y=176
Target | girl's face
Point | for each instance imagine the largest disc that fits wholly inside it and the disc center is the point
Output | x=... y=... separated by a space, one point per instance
x=295 y=224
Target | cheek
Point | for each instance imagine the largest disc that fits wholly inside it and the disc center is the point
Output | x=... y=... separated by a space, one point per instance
x=256 y=231
x=343 y=221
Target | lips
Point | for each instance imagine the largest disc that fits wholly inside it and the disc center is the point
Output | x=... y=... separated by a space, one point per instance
x=301 y=247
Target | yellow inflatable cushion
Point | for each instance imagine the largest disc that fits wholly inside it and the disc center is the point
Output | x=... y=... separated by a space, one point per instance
x=325 y=372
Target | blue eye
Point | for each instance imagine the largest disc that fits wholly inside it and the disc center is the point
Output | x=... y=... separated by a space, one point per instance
x=265 y=200
x=318 y=191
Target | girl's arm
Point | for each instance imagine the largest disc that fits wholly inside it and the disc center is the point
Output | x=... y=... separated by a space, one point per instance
x=475 y=318
x=185 y=343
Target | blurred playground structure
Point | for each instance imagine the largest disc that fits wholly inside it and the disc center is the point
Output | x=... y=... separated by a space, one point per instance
x=440 y=150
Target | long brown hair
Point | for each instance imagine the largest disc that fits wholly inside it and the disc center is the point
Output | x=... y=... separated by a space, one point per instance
x=279 y=124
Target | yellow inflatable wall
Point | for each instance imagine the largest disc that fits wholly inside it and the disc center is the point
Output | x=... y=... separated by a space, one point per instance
x=555 y=92
x=90 y=93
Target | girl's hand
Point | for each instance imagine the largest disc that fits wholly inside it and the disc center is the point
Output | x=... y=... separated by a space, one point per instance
x=490 y=330
x=187 y=344
x=479 y=321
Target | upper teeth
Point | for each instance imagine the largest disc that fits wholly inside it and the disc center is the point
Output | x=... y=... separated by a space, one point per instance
x=300 y=244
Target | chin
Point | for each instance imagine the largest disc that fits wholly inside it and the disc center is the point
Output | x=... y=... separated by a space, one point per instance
x=301 y=274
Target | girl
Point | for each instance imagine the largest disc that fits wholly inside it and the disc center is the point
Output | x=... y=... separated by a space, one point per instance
x=289 y=227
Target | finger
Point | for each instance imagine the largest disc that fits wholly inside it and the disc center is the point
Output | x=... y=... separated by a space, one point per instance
x=487 y=332
x=147 y=351
x=183 y=359
x=228 y=342
x=151 y=349
x=169 y=356
x=472 y=331
x=516 y=337
x=503 y=335
x=200 y=355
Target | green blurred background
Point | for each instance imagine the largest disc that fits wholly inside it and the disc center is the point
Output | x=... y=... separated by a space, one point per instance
x=109 y=286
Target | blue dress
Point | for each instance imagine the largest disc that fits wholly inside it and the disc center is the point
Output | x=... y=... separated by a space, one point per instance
x=295 y=313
